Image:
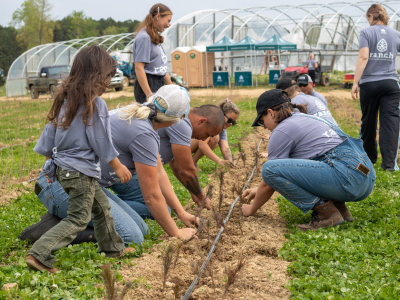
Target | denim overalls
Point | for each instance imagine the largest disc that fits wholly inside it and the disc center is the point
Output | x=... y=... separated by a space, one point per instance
x=332 y=176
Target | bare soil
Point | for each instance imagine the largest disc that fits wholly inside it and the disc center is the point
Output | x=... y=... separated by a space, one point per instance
x=257 y=238
x=14 y=189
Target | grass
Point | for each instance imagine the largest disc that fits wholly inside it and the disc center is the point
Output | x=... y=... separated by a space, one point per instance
x=80 y=264
x=357 y=260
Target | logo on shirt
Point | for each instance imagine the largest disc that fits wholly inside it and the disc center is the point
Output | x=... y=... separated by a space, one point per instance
x=330 y=135
x=320 y=105
x=382 y=45
x=383 y=31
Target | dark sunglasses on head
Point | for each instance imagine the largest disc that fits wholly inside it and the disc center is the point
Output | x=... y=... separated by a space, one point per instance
x=230 y=120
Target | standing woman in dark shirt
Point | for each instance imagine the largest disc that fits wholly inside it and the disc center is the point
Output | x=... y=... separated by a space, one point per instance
x=377 y=78
x=151 y=63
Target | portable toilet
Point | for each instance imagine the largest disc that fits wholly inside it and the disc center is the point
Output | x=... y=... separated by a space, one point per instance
x=199 y=65
x=178 y=61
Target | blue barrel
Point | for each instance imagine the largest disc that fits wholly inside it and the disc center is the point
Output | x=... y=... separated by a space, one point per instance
x=220 y=78
x=274 y=76
x=243 y=78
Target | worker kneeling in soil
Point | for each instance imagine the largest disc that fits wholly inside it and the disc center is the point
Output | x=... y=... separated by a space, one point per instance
x=147 y=193
x=201 y=123
x=312 y=163
x=200 y=148
x=314 y=105
x=305 y=84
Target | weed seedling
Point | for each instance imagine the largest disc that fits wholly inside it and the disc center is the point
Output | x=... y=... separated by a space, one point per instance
x=232 y=274
x=110 y=281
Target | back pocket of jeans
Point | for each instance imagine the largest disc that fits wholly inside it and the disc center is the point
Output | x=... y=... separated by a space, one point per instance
x=356 y=183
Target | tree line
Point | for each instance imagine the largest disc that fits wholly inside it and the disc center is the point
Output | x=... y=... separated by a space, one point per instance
x=33 y=25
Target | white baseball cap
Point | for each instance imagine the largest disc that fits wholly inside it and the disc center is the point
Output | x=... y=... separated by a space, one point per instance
x=177 y=99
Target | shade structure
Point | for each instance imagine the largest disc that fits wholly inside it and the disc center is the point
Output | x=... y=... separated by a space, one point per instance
x=221 y=46
x=276 y=43
x=247 y=43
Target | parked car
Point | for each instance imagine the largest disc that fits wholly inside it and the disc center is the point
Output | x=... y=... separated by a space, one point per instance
x=50 y=77
x=117 y=81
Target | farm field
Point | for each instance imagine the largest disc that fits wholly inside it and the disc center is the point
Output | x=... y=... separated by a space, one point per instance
x=352 y=261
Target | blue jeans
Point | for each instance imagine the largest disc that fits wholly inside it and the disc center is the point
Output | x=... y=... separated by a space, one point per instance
x=332 y=176
x=129 y=225
x=131 y=194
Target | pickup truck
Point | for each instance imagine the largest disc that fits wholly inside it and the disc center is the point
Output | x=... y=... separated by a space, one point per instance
x=49 y=79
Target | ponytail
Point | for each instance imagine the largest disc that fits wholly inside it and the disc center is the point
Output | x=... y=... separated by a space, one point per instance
x=378 y=12
x=142 y=112
x=149 y=23
x=228 y=106
x=285 y=110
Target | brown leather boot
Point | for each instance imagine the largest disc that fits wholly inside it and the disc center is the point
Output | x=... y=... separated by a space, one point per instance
x=324 y=215
x=344 y=211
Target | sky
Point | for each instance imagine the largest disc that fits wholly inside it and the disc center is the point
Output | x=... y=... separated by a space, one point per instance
x=122 y=10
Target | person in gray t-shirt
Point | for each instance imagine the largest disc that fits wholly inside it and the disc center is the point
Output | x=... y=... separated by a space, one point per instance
x=305 y=84
x=151 y=62
x=201 y=123
x=377 y=80
x=200 y=148
x=311 y=66
x=314 y=105
x=312 y=163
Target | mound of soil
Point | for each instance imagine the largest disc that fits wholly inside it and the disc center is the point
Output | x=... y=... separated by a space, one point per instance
x=256 y=239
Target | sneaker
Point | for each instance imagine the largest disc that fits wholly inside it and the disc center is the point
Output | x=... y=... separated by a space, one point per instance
x=324 y=215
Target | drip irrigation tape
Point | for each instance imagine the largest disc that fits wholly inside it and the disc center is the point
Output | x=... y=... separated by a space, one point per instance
x=204 y=265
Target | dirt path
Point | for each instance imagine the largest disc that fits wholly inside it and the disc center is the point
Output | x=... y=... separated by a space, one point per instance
x=264 y=272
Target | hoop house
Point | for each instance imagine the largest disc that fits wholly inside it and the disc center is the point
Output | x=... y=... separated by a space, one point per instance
x=333 y=27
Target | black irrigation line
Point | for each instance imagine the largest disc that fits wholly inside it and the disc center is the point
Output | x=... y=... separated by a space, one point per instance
x=204 y=265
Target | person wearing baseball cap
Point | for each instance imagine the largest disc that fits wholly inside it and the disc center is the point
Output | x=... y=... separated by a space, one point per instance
x=305 y=84
x=305 y=165
x=149 y=193
x=314 y=106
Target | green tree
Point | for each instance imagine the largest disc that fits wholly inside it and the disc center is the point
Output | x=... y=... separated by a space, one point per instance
x=9 y=48
x=112 y=30
x=34 y=24
x=81 y=26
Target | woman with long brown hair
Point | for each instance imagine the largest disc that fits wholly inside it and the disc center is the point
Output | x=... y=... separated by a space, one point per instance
x=311 y=162
x=151 y=63
x=74 y=141
x=377 y=78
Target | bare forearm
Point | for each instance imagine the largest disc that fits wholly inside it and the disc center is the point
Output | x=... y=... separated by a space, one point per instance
x=159 y=211
x=189 y=180
x=142 y=78
x=206 y=150
x=226 y=153
x=167 y=79
x=264 y=193
x=169 y=194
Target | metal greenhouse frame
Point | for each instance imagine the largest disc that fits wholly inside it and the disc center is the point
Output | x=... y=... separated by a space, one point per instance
x=333 y=26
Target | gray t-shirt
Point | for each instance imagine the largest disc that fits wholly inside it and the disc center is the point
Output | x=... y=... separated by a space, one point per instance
x=300 y=137
x=383 y=43
x=135 y=142
x=311 y=64
x=320 y=97
x=152 y=55
x=314 y=106
x=223 y=136
x=80 y=147
x=180 y=133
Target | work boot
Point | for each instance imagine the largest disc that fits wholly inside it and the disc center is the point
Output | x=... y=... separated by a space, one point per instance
x=48 y=221
x=344 y=211
x=324 y=215
x=35 y=231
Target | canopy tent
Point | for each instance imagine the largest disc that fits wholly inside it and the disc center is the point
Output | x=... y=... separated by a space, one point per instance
x=221 y=46
x=247 y=43
x=276 y=43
